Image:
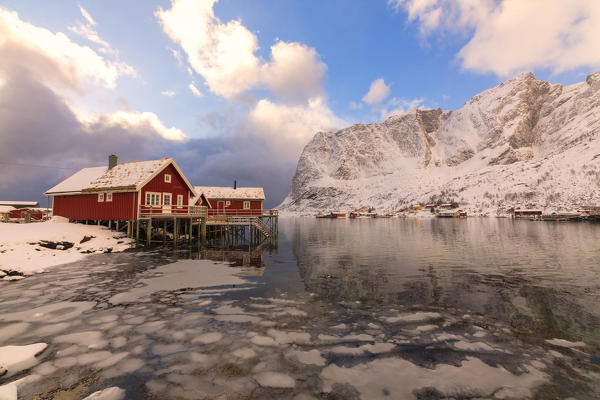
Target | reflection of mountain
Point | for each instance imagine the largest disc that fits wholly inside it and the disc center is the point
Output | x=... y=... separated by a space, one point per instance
x=520 y=271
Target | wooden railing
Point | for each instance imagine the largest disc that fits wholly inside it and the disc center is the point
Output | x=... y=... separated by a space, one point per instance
x=175 y=211
x=241 y=213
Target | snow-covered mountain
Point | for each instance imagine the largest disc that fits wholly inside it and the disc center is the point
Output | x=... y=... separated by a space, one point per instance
x=523 y=143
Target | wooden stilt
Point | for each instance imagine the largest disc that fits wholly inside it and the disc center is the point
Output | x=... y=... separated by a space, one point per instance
x=128 y=228
x=203 y=231
x=175 y=231
x=137 y=231
x=149 y=231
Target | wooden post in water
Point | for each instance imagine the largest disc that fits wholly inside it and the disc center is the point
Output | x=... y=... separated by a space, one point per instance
x=164 y=231
x=128 y=228
x=174 y=231
x=149 y=231
x=137 y=231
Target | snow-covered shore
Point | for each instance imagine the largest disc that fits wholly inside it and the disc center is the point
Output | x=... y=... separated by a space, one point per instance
x=35 y=247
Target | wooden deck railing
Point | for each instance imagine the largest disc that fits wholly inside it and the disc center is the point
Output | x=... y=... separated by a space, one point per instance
x=175 y=211
x=200 y=211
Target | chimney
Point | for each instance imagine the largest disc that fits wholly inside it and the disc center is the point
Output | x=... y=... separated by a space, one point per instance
x=112 y=161
x=235 y=184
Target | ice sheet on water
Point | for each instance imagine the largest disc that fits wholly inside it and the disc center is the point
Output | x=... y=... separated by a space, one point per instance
x=208 y=338
x=112 y=393
x=282 y=337
x=473 y=346
x=180 y=275
x=401 y=378
x=18 y=358
x=12 y=330
x=244 y=353
x=90 y=339
x=56 y=312
x=413 y=317
x=565 y=343
x=310 y=357
x=275 y=380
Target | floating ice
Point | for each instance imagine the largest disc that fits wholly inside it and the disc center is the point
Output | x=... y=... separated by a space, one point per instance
x=18 y=358
x=473 y=346
x=263 y=341
x=415 y=317
x=400 y=378
x=311 y=357
x=244 y=353
x=289 y=337
x=208 y=338
x=112 y=393
x=275 y=380
x=565 y=343
x=90 y=339
x=180 y=275
x=55 y=312
x=12 y=330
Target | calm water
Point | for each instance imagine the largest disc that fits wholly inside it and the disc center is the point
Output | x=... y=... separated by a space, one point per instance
x=340 y=309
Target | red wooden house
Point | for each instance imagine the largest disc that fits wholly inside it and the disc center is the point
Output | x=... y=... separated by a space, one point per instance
x=243 y=201
x=123 y=191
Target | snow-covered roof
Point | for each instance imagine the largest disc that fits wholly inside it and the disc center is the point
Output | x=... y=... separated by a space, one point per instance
x=78 y=181
x=5 y=209
x=127 y=175
x=227 y=192
x=19 y=203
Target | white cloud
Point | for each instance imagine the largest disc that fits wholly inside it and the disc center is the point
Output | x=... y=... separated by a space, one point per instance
x=295 y=71
x=355 y=106
x=53 y=56
x=378 y=92
x=287 y=128
x=87 y=16
x=507 y=36
x=134 y=122
x=224 y=54
x=168 y=93
x=195 y=90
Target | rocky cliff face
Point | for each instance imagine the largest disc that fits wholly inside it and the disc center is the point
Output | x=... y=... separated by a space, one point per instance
x=524 y=142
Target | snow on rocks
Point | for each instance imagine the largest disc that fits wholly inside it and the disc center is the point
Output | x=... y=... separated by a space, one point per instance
x=35 y=247
x=565 y=343
x=19 y=358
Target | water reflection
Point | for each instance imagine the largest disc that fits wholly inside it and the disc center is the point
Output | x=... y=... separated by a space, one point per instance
x=523 y=272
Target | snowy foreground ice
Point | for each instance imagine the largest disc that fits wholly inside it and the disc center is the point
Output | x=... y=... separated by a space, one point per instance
x=139 y=325
x=35 y=247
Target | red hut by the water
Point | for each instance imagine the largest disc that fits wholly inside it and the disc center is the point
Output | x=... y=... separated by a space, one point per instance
x=243 y=201
x=123 y=191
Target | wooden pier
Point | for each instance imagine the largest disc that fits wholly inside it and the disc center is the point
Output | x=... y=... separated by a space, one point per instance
x=196 y=224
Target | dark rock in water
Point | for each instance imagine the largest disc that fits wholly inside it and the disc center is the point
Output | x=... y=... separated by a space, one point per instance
x=86 y=239
x=13 y=273
x=55 y=245
x=3 y=371
x=108 y=250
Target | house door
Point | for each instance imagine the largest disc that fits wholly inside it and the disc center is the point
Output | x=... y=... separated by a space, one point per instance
x=167 y=203
x=220 y=207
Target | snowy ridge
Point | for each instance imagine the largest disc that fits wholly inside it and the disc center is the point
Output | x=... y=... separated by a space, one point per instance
x=523 y=143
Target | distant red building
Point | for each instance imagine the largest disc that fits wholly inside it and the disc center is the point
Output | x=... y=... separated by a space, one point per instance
x=232 y=201
x=123 y=191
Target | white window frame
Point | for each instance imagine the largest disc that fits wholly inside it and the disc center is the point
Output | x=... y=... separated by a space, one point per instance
x=170 y=195
x=108 y=196
x=167 y=178
x=100 y=197
x=246 y=204
x=151 y=194
x=179 y=200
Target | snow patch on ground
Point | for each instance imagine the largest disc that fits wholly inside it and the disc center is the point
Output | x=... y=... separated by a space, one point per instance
x=275 y=380
x=112 y=393
x=20 y=251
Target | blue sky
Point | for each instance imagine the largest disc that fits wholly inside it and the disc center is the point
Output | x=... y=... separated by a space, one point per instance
x=425 y=53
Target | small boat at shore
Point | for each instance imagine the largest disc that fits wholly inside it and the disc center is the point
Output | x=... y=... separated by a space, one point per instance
x=338 y=214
